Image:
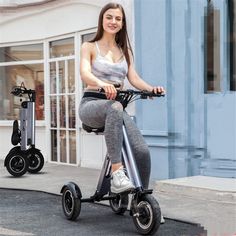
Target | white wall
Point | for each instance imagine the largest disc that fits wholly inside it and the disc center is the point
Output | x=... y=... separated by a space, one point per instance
x=53 y=19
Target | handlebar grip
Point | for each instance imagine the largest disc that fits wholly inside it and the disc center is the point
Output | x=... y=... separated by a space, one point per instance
x=158 y=95
x=117 y=85
x=151 y=94
x=101 y=90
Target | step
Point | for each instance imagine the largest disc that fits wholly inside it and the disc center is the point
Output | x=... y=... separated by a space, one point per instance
x=200 y=187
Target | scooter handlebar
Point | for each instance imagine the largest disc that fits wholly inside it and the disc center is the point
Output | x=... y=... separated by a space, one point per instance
x=143 y=94
x=19 y=91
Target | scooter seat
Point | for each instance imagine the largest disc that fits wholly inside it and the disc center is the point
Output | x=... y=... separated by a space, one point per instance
x=90 y=129
x=15 y=137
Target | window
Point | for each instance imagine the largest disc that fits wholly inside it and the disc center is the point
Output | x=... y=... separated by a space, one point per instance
x=21 y=64
x=214 y=79
x=87 y=37
x=21 y=53
x=232 y=44
x=212 y=49
x=62 y=47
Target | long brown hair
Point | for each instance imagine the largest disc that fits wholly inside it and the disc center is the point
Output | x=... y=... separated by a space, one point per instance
x=122 y=38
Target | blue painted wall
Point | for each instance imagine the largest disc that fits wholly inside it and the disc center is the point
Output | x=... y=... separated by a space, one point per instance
x=182 y=129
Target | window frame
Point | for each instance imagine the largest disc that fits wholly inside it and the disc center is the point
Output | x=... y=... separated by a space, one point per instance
x=25 y=62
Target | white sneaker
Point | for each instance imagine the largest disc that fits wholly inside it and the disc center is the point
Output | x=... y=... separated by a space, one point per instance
x=120 y=182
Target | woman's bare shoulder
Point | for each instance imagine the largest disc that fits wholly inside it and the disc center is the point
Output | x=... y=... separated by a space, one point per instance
x=88 y=45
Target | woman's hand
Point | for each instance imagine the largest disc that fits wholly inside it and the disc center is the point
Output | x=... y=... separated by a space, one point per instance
x=158 y=90
x=109 y=90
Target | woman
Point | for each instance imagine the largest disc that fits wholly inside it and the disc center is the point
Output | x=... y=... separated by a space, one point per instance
x=107 y=60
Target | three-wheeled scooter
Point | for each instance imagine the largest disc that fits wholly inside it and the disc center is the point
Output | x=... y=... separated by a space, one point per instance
x=144 y=208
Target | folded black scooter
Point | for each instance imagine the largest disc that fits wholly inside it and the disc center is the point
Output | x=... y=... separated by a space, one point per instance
x=24 y=157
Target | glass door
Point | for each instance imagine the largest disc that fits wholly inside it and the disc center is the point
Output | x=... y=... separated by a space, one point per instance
x=220 y=97
x=62 y=101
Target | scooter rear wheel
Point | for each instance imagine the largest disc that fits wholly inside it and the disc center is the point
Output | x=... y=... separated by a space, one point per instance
x=119 y=204
x=71 y=204
x=16 y=163
x=148 y=219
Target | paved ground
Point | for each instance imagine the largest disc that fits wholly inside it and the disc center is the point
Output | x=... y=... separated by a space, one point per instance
x=208 y=201
x=31 y=213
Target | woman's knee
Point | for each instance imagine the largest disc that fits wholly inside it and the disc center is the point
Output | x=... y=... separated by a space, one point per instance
x=143 y=161
x=115 y=111
x=116 y=107
x=142 y=154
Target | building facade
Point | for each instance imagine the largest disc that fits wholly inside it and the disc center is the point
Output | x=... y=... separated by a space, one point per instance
x=189 y=47
x=182 y=45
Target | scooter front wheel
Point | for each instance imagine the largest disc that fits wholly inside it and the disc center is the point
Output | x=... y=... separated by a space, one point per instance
x=36 y=160
x=71 y=204
x=16 y=163
x=148 y=218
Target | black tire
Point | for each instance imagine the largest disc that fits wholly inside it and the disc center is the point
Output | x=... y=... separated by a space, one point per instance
x=119 y=204
x=36 y=160
x=15 y=149
x=16 y=163
x=149 y=215
x=71 y=204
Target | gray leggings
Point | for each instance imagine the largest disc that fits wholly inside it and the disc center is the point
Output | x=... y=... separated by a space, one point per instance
x=109 y=114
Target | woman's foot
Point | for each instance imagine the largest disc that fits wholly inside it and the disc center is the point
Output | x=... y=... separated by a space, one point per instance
x=120 y=182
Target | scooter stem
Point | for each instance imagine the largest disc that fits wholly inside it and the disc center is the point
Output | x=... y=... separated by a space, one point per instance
x=129 y=161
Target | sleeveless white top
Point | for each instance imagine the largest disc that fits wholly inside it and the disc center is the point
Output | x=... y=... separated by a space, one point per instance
x=107 y=71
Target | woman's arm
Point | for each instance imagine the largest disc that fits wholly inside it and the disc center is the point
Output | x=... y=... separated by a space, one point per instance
x=85 y=66
x=88 y=77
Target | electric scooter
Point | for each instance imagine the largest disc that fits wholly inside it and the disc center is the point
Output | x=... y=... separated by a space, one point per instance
x=144 y=208
x=24 y=157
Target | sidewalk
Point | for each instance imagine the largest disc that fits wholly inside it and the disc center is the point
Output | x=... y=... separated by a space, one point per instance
x=208 y=201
